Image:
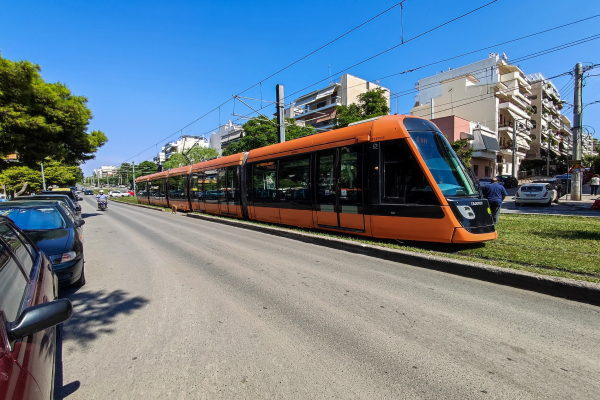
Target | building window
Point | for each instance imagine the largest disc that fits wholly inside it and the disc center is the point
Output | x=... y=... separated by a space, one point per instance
x=476 y=169
x=487 y=171
x=321 y=104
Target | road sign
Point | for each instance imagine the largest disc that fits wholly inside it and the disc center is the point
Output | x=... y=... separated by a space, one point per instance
x=576 y=166
x=574 y=162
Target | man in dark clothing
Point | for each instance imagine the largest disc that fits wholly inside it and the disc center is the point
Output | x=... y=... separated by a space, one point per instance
x=495 y=195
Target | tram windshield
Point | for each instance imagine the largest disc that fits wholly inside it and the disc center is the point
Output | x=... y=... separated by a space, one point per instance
x=448 y=171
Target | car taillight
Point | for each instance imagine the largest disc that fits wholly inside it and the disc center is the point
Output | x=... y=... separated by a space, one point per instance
x=545 y=194
x=518 y=195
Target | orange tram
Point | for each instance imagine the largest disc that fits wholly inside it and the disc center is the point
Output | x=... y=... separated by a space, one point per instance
x=393 y=177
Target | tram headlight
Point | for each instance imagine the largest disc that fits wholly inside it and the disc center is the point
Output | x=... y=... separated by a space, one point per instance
x=467 y=212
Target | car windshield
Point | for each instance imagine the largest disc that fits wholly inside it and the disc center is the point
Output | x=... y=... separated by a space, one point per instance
x=445 y=166
x=33 y=219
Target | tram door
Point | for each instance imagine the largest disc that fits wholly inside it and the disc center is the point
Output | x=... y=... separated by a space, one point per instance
x=339 y=188
x=227 y=193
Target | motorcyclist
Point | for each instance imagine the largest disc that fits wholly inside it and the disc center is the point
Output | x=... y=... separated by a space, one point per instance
x=102 y=198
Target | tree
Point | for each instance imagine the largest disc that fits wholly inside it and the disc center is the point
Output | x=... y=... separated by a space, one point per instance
x=261 y=132
x=371 y=104
x=464 y=154
x=60 y=174
x=145 y=168
x=14 y=178
x=40 y=120
x=175 y=161
x=198 y=154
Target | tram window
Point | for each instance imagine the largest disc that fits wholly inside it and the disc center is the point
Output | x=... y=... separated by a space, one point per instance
x=403 y=180
x=294 y=177
x=177 y=187
x=445 y=166
x=230 y=183
x=141 y=189
x=210 y=187
x=325 y=177
x=350 y=178
x=264 y=181
x=161 y=188
x=196 y=180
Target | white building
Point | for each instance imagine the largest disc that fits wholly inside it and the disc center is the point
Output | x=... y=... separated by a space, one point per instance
x=181 y=145
x=318 y=108
x=489 y=92
x=226 y=134
x=105 y=171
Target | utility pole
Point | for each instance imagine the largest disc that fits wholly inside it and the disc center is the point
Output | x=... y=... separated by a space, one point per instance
x=133 y=173
x=43 y=178
x=280 y=115
x=577 y=126
x=514 y=150
x=548 y=155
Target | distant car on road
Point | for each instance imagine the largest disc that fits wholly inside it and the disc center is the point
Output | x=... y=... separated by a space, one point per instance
x=29 y=313
x=488 y=180
x=536 y=193
x=88 y=191
x=508 y=180
x=118 y=193
x=55 y=231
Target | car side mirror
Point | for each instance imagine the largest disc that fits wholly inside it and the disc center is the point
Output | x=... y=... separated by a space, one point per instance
x=79 y=222
x=38 y=318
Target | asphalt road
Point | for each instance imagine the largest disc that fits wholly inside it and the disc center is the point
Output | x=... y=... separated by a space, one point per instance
x=179 y=308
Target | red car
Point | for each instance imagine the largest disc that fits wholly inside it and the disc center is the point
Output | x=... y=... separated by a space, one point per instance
x=131 y=192
x=29 y=313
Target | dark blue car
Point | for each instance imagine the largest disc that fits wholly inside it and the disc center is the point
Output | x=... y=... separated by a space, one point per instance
x=56 y=231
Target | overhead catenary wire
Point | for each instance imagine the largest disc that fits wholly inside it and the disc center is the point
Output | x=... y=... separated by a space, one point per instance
x=368 y=59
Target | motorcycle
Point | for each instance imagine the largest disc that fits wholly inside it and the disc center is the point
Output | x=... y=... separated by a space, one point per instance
x=102 y=205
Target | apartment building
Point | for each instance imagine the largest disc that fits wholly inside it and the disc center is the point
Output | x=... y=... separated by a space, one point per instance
x=181 y=145
x=105 y=171
x=490 y=93
x=318 y=108
x=551 y=132
x=228 y=133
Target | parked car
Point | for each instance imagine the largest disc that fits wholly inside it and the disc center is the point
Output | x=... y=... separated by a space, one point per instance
x=508 y=180
x=72 y=195
x=88 y=191
x=118 y=193
x=54 y=229
x=74 y=207
x=488 y=180
x=29 y=312
x=536 y=193
x=559 y=185
x=131 y=192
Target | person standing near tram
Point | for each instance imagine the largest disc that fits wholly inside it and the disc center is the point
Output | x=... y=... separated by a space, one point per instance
x=495 y=195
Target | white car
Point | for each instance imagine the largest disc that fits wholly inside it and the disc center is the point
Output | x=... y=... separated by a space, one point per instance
x=536 y=193
x=117 y=193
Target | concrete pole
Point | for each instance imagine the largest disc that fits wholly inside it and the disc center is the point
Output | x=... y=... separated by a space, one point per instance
x=577 y=126
x=280 y=115
x=548 y=156
x=133 y=166
x=43 y=178
x=514 y=149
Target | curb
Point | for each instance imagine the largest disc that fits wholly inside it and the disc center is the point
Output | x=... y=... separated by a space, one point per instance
x=571 y=289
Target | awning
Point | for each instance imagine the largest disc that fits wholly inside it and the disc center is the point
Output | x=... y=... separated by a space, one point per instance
x=491 y=143
x=466 y=135
x=306 y=100
x=478 y=143
x=326 y=92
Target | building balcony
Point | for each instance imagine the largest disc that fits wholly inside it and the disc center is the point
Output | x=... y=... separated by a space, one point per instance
x=513 y=107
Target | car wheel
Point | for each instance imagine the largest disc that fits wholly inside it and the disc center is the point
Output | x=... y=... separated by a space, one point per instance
x=81 y=281
x=549 y=203
x=518 y=204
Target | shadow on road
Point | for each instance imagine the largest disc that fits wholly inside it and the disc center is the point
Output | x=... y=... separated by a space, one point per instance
x=95 y=311
x=87 y=215
x=60 y=391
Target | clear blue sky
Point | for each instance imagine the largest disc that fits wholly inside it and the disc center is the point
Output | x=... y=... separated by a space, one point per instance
x=150 y=68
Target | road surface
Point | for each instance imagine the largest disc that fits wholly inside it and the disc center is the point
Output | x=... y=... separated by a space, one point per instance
x=180 y=308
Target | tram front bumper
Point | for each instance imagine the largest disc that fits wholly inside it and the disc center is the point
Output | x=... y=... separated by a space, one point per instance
x=461 y=235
